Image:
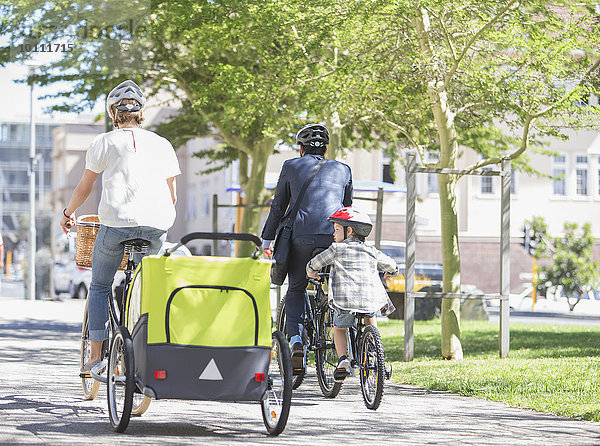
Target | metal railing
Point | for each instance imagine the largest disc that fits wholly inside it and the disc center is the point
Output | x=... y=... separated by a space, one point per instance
x=378 y=214
x=410 y=294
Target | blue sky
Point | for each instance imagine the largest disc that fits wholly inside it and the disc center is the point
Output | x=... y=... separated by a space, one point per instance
x=14 y=100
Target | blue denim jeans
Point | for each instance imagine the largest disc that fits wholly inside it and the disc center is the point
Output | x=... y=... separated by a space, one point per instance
x=300 y=255
x=107 y=256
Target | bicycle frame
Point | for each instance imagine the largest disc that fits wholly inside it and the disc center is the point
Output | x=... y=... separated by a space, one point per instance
x=312 y=312
x=115 y=320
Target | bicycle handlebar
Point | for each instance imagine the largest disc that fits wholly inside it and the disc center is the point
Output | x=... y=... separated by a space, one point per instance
x=216 y=236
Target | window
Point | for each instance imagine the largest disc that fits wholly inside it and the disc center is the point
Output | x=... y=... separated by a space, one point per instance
x=559 y=173
x=486 y=183
x=514 y=179
x=190 y=208
x=598 y=175
x=432 y=184
x=581 y=174
x=386 y=171
x=19 y=133
x=205 y=200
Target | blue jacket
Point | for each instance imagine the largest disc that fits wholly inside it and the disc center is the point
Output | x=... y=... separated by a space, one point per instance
x=329 y=190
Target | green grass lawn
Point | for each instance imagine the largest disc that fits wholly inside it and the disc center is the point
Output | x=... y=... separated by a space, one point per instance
x=551 y=368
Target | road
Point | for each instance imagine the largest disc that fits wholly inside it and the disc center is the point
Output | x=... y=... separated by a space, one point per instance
x=41 y=403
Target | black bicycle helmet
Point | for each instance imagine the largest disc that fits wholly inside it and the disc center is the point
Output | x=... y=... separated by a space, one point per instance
x=313 y=135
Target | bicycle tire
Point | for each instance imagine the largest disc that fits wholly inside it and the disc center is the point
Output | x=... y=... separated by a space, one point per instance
x=326 y=354
x=372 y=367
x=276 y=406
x=120 y=379
x=140 y=404
x=89 y=384
x=299 y=378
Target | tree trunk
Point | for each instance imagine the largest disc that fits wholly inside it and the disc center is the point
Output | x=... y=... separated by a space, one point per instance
x=255 y=193
x=444 y=122
x=335 y=135
x=450 y=311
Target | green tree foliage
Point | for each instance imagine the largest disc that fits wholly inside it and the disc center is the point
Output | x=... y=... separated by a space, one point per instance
x=234 y=69
x=573 y=270
x=539 y=228
x=498 y=77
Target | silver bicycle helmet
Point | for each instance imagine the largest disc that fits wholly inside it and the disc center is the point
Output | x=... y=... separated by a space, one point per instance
x=313 y=135
x=126 y=90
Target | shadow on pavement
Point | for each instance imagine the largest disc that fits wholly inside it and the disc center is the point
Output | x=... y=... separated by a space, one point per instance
x=39 y=329
x=61 y=410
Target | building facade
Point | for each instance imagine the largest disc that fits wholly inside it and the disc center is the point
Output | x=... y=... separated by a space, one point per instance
x=15 y=140
x=568 y=189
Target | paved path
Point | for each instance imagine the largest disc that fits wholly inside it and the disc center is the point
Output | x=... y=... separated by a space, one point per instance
x=41 y=402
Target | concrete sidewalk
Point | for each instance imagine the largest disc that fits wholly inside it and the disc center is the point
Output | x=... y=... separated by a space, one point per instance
x=41 y=402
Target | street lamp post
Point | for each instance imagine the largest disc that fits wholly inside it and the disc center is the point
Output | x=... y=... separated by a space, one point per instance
x=32 y=232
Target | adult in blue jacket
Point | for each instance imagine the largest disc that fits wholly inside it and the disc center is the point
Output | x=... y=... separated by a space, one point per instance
x=329 y=190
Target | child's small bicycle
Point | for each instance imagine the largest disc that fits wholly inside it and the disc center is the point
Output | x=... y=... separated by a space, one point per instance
x=365 y=352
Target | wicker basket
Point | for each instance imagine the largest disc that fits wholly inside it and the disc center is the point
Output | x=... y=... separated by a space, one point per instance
x=87 y=229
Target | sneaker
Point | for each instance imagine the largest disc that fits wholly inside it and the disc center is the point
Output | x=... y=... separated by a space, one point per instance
x=342 y=370
x=297 y=356
x=89 y=366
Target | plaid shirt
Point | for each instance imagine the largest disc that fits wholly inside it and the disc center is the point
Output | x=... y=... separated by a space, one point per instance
x=354 y=282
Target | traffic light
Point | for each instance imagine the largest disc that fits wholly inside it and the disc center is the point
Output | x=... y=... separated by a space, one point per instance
x=530 y=240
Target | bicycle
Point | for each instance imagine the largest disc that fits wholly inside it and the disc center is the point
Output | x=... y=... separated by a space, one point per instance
x=317 y=337
x=365 y=348
x=91 y=381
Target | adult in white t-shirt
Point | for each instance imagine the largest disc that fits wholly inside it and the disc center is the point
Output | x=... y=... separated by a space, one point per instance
x=138 y=198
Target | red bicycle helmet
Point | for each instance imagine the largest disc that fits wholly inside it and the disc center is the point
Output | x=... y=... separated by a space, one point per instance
x=357 y=220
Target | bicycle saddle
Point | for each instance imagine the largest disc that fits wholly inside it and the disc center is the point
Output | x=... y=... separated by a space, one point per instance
x=137 y=243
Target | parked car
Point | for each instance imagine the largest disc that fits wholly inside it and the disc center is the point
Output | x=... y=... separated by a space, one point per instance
x=426 y=273
x=70 y=279
x=75 y=281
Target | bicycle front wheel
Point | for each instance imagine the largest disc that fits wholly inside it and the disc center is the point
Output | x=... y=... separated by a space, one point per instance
x=372 y=367
x=299 y=377
x=326 y=355
x=89 y=384
x=121 y=379
x=276 y=406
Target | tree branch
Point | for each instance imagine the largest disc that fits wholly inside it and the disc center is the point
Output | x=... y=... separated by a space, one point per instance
x=420 y=148
x=524 y=144
x=447 y=38
x=471 y=42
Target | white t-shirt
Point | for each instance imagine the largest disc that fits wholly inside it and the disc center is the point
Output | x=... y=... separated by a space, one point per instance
x=136 y=164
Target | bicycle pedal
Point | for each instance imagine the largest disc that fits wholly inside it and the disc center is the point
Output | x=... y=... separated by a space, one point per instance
x=85 y=375
x=339 y=375
x=299 y=371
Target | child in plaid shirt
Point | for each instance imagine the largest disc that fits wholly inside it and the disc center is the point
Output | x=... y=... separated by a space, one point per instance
x=355 y=286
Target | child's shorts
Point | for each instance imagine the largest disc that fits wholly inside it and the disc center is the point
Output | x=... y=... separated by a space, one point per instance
x=345 y=319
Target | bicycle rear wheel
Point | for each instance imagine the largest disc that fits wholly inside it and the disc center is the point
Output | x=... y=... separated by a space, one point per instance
x=299 y=377
x=372 y=367
x=140 y=404
x=89 y=384
x=121 y=379
x=326 y=355
x=276 y=406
